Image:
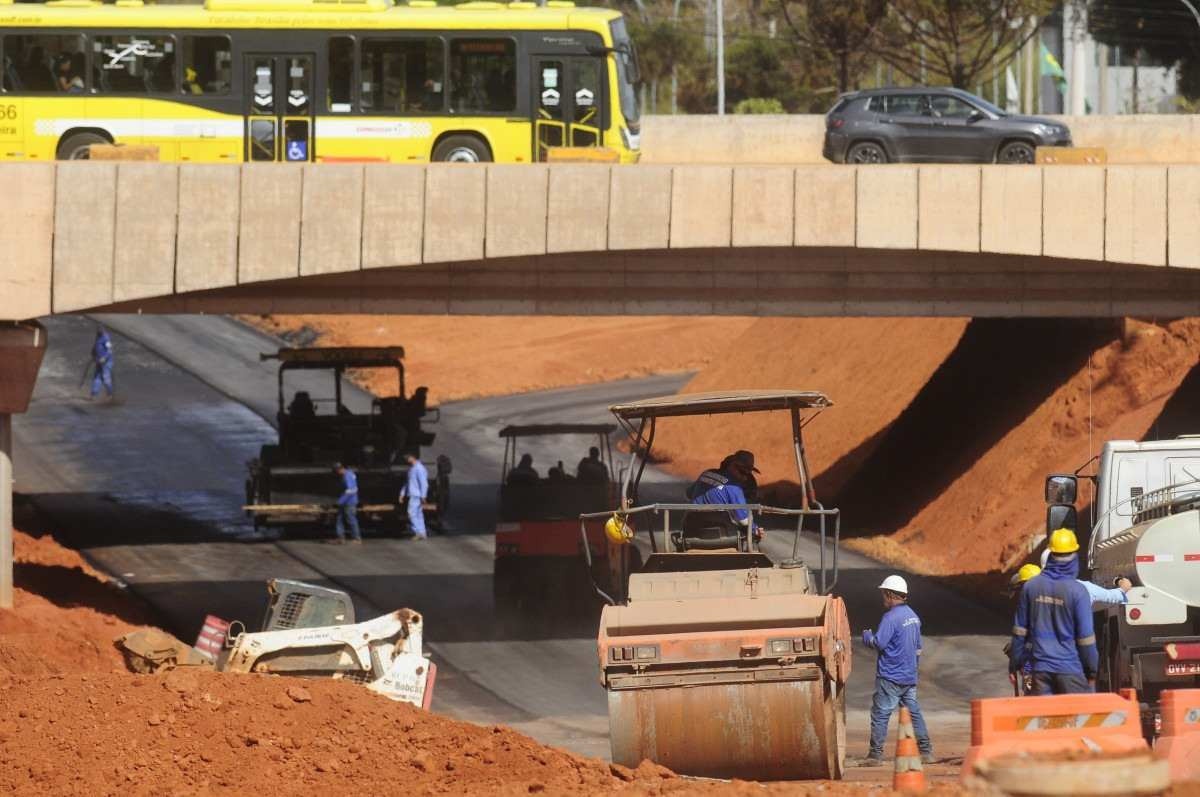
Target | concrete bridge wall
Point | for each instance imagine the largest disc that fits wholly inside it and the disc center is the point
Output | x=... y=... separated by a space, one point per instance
x=814 y=240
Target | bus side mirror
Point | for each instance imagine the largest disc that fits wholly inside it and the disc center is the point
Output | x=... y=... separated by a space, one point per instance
x=1061 y=488
x=1061 y=516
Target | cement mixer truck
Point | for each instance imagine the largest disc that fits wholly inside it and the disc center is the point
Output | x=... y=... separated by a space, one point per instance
x=1147 y=528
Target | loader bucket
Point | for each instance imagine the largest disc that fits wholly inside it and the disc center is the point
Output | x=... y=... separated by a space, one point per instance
x=790 y=730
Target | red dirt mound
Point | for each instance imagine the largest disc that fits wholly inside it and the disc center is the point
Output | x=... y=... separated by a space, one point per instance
x=870 y=367
x=65 y=614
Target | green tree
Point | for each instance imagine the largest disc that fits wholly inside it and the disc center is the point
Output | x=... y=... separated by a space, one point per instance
x=761 y=67
x=959 y=42
x=753 y=105
x=663 y=45
x=839 y=31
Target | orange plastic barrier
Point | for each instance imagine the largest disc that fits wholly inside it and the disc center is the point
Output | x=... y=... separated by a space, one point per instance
x=1179 y=742
x=1103 y=722
x=908 y=776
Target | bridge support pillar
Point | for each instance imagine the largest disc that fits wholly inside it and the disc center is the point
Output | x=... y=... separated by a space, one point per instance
x=22 y=346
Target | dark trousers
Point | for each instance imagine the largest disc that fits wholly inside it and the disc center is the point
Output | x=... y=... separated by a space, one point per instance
x=1060 y=683
x=347 y=516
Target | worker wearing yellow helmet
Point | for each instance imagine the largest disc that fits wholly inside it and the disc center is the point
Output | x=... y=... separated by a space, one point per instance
x=1022 y=678
x=1052 y=629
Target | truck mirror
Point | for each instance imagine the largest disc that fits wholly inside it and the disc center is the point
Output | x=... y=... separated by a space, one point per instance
x=1061 y=488
x=1061 y=516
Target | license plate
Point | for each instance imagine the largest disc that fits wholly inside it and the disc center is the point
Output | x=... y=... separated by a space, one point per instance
x=1183 y=668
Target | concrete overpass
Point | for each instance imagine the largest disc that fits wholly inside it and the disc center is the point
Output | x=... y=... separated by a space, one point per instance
x=595 y=239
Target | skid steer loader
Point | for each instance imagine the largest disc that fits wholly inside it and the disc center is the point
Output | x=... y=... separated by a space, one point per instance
x=717 y=660
x=308 y=631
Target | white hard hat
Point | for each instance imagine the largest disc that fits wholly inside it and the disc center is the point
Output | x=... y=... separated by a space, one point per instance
x=895 y=584
x=1045 y=557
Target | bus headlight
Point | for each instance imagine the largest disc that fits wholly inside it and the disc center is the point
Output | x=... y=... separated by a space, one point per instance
x=631 y=140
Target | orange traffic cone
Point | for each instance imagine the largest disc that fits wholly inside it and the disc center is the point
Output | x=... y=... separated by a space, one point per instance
x=909 y=777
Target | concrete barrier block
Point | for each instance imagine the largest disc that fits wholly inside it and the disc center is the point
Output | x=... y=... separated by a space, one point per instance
x=85 y=198
x=1183 y=211
x=1073 y=212
x=639 y=207
x=1010 y=218
x=393 y=216
x=886 y=207
x=516 y=210
x=1135 y=215
x=26 y=241
x=331 y=219
x=764 y=199
x=948 y=208
x=824 y=206
x=455 y=212
x=206 y=252
x=269 y=232
x=578 y=208
x=701 y=206
x=144 y=248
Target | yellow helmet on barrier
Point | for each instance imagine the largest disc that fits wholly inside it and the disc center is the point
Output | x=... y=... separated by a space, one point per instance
x=1062 y=541
x=1027 y=572
x=618 y=530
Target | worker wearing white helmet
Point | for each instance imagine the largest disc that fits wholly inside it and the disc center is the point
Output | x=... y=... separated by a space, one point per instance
x=898 y=642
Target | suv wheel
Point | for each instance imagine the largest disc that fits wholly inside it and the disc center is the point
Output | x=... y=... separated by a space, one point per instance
x=866 y=152
x=1016 y=152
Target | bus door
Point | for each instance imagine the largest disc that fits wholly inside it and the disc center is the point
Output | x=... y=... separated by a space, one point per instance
x=569 y=102
x=279 y=116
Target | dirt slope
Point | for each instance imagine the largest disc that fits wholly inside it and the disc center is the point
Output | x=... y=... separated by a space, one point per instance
x=991 y=506
x=870 y=367
x=462 y=357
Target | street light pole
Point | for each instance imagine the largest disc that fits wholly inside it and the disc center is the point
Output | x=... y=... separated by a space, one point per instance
x=720 y=57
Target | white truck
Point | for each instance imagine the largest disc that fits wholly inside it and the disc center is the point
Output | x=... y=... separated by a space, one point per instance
x=1146 y=527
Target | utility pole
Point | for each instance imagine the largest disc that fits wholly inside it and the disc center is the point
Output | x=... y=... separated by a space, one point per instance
x=720 y=57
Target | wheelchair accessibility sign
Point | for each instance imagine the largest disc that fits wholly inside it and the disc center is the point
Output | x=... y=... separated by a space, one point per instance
x=297 y=151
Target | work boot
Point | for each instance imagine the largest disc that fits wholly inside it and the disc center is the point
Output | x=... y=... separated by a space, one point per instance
x=870 y=761
x=928 y=758
x=335 y=541
x=356 y=541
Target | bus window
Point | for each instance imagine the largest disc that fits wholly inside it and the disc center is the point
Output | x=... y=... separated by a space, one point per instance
x=341 y=74
x=35 y=63
x=585 y=82
x=402 y=75
x=483 y=75
x=207 y=65
x=134 y=64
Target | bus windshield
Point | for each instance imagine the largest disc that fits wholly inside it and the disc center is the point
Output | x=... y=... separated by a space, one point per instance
x=627 y=72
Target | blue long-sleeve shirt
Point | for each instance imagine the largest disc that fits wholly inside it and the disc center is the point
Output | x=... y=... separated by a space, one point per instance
x=714 y=488
x=102 y=348
x=417 y=485
x=898 y=641
x=349 y=496
x=1099 y=594
x=1053 y=625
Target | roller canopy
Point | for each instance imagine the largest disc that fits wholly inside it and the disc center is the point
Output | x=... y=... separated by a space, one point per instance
x=716 y=402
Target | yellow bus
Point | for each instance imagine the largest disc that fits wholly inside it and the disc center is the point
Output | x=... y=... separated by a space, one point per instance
x=316 y=80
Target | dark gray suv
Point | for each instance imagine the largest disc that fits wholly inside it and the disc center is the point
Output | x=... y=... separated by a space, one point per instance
x=924 y=125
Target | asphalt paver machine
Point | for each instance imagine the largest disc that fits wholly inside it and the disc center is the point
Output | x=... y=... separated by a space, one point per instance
x=292 y=481
x=718 y=661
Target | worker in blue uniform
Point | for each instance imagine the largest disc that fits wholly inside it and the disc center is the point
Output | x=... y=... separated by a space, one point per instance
x=1053 y=624
x=898 y=642
x=102 y=363
x=347 y=505
x=416 y=489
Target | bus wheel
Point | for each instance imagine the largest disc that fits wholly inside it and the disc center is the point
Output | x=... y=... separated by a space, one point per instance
x=461 y=149
x=75 y=148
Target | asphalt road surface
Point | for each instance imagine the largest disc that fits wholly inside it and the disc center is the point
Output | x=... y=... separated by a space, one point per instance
x=149 y=487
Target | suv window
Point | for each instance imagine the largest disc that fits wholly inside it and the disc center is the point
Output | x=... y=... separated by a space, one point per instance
x=949 y=107
x=905 y=104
